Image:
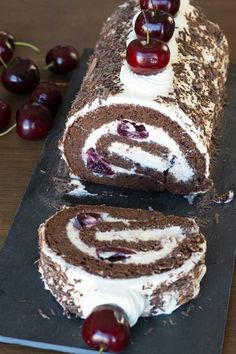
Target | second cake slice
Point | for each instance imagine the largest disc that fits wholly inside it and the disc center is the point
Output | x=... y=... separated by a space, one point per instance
x=146 y=263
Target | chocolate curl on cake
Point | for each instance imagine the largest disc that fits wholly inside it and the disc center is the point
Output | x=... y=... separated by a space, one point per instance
x=150 y=132
x=143 y=261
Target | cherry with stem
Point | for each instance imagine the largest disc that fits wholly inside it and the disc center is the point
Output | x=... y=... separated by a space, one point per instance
x=107 y=328
x=62 y=59
x=8 y=130
x=156 y=24
x=8 y=44
x=21 y=76
x=145 y=18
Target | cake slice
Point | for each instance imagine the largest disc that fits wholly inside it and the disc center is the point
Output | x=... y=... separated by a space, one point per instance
x=146 y=263
x=150 y=132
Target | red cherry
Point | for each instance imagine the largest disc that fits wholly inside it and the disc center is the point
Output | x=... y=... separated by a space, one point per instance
x=33 y=121
x=7 y=36
x=169 y=6
x=159 y=25
x=62 y=59
x=107 y=327
x=47 y=94
x=6 y=50
x=97 y=164
x=21 y=76
x=5 y=114
x=8 y=43
x=147 y=58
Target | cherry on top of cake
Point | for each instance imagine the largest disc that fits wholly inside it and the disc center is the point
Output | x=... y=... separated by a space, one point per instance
x=169 y=6
x=149 y=54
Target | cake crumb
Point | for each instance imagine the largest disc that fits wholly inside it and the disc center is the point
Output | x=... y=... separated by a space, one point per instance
x=149 y=331
x=53 y=312
x=164 y=322
x=185 y=314
x=225 y=198
x=43 y=314
x=217 y=218
x=171 y=322
x=190 y=308
x=150 y=208
x=23 y=301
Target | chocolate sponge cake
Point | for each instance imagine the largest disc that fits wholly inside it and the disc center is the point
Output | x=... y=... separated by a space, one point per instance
x=149 y=132
x=147 y=263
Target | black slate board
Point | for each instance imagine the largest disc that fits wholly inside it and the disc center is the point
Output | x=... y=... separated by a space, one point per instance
x=197 y=328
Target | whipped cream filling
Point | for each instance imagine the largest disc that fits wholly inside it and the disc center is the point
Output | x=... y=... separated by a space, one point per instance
x=175 y=162
x=132 y=295
x=169 y=239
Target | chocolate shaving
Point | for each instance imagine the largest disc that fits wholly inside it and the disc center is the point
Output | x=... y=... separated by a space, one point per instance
x=224 y=198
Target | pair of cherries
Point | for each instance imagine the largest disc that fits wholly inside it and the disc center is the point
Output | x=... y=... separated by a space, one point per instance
x=21 y=76
x=149 y=54
x=35 y=119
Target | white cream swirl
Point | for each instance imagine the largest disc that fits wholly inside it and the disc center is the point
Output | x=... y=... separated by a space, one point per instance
x=176 y=162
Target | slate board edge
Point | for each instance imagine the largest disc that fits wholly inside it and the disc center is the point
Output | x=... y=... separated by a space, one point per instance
x=45 y=346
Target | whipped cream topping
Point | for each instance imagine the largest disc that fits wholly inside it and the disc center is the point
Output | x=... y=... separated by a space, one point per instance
x=160 y=84
x=132 y=295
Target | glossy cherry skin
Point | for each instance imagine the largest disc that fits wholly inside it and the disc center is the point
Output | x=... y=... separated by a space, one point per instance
x=169 y=6
x=63 y=59
x=159 y=25
x=6 y=50
x=107 y=327
x=21 y=76
x=47 y=94
x=6 y=46
x=5 y=114
x=7 y=36
x=33 y=121
x=147 y=59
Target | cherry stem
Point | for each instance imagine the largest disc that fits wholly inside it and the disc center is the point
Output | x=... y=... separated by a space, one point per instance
x=101 y=350
x=8 y=130
x=48 y=66
x=25 y=44
x=148 y=37
x=154 y=6
x=3 y=62
x=62 y=84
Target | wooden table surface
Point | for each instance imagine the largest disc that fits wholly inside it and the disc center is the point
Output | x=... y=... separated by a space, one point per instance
x=76 y=22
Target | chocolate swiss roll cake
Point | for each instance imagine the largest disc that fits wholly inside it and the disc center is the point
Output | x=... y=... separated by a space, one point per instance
x=146 y=263
x=151 y=132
